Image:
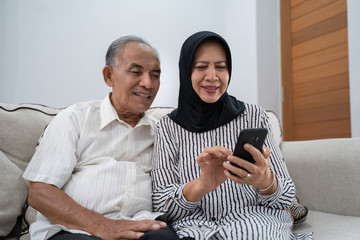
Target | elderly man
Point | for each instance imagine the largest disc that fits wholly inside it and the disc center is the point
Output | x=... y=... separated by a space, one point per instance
x=89 y=177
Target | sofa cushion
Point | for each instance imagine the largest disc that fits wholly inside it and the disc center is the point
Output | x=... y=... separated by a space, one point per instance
x=330 y=226
x=13 y=193
x=21 y=126
x=326 y=173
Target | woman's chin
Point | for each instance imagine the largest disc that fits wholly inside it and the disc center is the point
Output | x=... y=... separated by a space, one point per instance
x=210 y=99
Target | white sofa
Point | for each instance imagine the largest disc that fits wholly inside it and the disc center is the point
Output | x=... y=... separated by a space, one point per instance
x=325 y=172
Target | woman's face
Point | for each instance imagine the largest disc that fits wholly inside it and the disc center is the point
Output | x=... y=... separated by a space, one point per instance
x=210 y=74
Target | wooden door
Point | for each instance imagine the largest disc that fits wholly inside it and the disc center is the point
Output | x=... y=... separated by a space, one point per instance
x=315 y=76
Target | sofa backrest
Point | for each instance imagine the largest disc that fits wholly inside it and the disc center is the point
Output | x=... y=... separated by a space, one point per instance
x=276 y=126
x=326 y=173
x=21 y=126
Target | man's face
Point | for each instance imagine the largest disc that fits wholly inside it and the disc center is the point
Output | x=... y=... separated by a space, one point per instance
x=135 y=79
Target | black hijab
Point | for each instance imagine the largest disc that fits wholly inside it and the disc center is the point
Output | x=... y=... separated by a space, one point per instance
x=192 y=113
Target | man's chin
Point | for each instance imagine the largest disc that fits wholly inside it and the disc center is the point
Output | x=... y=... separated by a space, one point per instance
x=142 y=104
x=143 y=107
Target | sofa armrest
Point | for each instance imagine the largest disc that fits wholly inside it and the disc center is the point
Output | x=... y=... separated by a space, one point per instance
x=326 y=173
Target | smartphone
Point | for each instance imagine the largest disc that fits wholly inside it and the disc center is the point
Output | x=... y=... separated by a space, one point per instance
x=253 y=136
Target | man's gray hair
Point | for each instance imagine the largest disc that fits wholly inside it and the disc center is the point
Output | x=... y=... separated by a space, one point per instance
x=115 y=49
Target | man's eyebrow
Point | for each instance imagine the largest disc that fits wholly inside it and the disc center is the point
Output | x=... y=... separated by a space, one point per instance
x=135 y=65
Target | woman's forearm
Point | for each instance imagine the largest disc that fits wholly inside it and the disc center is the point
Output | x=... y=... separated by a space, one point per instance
x=193 y=191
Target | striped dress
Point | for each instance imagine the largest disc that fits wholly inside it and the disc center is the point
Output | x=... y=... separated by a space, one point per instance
x=231 y=211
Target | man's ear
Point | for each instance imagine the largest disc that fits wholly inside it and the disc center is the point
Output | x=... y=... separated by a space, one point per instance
x=107 y=74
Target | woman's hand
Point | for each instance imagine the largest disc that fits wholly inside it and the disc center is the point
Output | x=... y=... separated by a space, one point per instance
x=212 y=173
x=211 y=166
x=257 y=175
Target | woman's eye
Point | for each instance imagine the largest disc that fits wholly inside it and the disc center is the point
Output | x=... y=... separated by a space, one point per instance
x=221 y=67
x=201 y=67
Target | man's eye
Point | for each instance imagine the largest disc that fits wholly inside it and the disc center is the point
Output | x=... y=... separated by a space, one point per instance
x=136 y=72
x=155 y=76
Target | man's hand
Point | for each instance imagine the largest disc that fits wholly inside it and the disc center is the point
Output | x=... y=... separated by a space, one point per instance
x=127 y=229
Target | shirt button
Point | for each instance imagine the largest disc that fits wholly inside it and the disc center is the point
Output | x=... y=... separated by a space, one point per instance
x=213 y=219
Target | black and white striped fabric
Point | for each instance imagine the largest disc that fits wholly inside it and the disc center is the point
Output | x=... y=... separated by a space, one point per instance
x=232 y=211
x=299 y=212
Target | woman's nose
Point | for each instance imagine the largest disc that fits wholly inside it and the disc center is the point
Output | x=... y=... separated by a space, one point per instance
x=211 y=74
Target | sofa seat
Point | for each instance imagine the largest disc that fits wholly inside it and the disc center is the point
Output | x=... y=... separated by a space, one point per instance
x=330 y=226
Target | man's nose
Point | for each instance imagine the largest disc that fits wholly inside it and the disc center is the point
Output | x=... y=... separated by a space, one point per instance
x=146 y=81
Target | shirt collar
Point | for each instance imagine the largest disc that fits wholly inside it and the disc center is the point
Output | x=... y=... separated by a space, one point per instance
x=108 y=114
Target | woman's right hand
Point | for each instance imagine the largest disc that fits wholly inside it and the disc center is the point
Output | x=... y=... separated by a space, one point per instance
x=212 y=173
x=211 y=162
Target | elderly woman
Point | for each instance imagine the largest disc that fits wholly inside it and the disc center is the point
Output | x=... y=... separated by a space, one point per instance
x=192 y=171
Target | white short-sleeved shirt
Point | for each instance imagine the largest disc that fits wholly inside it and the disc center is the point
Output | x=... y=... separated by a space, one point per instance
x=98 y=160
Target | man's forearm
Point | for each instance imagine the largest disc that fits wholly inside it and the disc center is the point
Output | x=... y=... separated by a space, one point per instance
x=60 y=208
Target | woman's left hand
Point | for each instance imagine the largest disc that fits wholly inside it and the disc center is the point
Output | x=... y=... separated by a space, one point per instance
x=256 y=174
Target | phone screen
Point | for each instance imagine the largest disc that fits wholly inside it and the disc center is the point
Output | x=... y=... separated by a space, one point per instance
x=253 y=136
